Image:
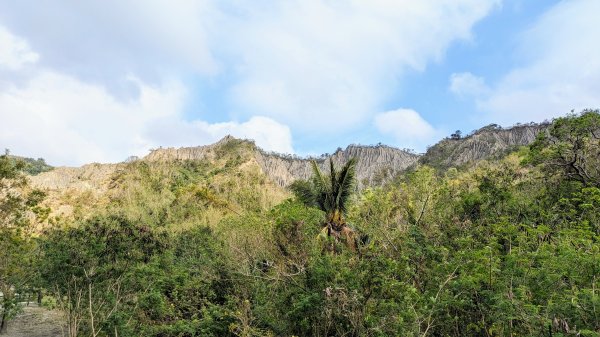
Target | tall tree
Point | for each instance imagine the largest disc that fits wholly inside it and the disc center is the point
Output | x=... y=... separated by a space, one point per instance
x=331 y=193
x=18 y=211
x=90 y=270
x=571 y=148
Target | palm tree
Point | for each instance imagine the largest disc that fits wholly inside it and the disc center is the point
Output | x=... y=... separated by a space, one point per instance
x=331 y=193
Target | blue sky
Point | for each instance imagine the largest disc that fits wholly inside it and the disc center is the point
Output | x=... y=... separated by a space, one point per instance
x=98 y=81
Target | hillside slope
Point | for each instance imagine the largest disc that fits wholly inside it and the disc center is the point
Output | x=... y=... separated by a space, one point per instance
x=491 y=141
x=375 y=163
x=216 y=181
x=75 y=191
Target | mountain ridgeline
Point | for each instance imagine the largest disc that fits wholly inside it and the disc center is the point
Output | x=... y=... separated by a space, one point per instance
x=491 y=141
x=228 y=159
x=376 y=164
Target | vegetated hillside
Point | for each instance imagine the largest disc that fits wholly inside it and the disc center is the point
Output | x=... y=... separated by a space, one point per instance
x=376 y=164
x=218 y=180
x=491 y=141
x=200 y=242
x=77 y=190
x=33 y=166
x=182 y=191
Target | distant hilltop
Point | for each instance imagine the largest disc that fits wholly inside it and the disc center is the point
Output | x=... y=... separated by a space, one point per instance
x=376 y=164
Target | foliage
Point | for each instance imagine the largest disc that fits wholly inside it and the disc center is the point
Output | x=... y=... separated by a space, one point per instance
x=88 y=270
x=36 y=166
x=188 y=289
x=331 y=194
x=182 y=194
x=571 y=148
x=19 y=212
x=503 y=247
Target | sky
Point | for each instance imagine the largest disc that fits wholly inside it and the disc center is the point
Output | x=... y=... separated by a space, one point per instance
x=99 y=81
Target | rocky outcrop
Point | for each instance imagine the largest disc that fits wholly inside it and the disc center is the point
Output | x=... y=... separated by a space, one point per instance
x=67 y=187
x=206 y=152
x=92 y=177
x=488 y=142
x=375 y=165
x=378 y=164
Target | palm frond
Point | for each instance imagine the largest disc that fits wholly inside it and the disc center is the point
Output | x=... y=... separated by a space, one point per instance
x=332 y=174
x=321 y=188
x=330 y=192
x=304 y=192
x=333 y=186
x=345 y=184
x=318 y=178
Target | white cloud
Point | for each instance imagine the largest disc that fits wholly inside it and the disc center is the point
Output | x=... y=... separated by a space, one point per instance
x=466 y=84
x=69 y=121
x=317 y=63
x=97 y=40
x=267 y=133
x=407 y=127
x=296 y=61
x=561 y=71
x=123 y=66
x=14 y=51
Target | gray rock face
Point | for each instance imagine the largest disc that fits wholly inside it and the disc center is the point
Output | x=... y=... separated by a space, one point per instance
x=376 y=164
x=487 y=142
x=206 y=152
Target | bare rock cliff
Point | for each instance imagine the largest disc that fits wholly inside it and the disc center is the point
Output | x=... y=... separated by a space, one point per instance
x=376 y=164
x=206 y=152
x=487 y=142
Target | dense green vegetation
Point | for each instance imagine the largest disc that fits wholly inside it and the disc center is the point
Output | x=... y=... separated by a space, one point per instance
x=331 y=194
x=31 y=166
x=506 y=247
x=19 y=208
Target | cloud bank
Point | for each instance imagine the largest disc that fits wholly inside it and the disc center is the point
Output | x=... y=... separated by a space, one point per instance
x=15 y=52
x=98 y=81
x=72 y=122
x=407 y=127
x=559 y=70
